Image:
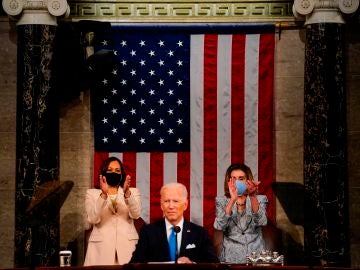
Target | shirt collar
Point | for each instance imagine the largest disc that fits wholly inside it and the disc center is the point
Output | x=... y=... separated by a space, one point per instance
x=169 y=225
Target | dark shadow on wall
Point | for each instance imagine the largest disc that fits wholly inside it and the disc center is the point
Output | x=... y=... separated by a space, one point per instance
x=291 y=197
x=72 y=235
x=70 y=66
x=43 y=213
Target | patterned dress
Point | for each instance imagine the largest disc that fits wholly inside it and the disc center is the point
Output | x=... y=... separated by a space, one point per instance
x=242 y=230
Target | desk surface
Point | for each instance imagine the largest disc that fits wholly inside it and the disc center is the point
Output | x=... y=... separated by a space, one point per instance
x=199 y=266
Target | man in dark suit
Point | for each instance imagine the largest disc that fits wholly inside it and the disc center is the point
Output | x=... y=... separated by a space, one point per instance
x=193 y=242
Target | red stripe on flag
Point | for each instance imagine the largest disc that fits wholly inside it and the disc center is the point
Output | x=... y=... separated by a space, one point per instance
x=156 y=182
x=99 y=158
x=129 y=161
x=237 y=98
x=183 y=175
x=210 y=129
x=265 y=138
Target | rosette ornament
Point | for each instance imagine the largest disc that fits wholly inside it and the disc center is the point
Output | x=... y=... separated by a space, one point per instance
x=324 y=11
x=36 y=11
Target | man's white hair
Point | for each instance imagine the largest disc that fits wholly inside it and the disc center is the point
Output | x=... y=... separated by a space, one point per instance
x=175 y=185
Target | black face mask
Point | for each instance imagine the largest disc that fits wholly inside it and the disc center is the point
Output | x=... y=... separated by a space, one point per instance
x=113 y=179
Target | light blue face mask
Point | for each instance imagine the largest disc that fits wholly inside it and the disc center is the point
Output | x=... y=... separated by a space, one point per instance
x=241 y=187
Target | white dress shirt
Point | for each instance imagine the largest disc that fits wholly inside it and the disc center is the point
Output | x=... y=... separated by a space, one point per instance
x=179 y=234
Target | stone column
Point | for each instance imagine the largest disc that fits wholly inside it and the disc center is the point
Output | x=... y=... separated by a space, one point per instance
x=326 y=229
x=37 y=142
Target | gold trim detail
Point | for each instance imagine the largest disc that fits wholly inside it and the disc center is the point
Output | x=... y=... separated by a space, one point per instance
x=182 y=11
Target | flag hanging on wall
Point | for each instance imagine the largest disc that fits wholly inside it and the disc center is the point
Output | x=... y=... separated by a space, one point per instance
x=182 y=105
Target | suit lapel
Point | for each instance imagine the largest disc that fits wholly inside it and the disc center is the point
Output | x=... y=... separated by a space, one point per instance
x=162 y=230
x=163 y=241
x=186 y=237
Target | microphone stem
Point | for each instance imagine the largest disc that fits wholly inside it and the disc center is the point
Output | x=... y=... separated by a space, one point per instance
x=176 y=248
x=177 y=229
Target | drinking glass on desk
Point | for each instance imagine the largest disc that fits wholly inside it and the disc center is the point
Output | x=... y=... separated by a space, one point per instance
x=65 y=258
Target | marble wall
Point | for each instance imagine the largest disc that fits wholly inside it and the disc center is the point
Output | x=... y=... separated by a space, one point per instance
x=353 y=111
x=76 y=142
x=8 y=58
x=289 y=116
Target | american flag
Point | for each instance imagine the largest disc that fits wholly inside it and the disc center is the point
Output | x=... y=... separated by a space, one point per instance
x=182 y=106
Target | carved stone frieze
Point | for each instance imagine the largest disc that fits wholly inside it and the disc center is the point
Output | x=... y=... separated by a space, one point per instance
x=182 y=11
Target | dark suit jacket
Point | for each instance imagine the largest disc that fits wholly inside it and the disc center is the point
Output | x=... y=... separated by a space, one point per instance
x=153 y=244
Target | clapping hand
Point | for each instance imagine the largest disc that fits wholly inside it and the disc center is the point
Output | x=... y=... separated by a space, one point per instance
x=103 y=185
x=126 y=186
x=232 y=188
x=252 y=187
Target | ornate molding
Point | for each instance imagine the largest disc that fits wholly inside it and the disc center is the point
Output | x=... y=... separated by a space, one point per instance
x=181 y=11
x=36 y=11
x=324 y=11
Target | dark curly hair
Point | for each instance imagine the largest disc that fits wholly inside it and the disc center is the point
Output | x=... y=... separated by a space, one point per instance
x=233 y=167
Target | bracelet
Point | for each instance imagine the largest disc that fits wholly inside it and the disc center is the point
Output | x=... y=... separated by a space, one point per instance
x=127 y=197
x=241 y=204
x=103 y=196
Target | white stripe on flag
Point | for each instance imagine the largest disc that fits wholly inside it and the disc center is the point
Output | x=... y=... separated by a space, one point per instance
x=143 y=183
x=251 y=102
x=196 y=128
x=116 y=154
x=224 y=109
x=170 y=167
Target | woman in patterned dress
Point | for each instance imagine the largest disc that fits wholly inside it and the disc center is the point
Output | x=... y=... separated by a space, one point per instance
x=240 y=214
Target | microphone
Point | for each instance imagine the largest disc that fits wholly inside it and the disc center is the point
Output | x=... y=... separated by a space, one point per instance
x=177 y=229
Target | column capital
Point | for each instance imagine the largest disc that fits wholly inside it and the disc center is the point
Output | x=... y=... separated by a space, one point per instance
x=324 y=11
x=36 y=11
